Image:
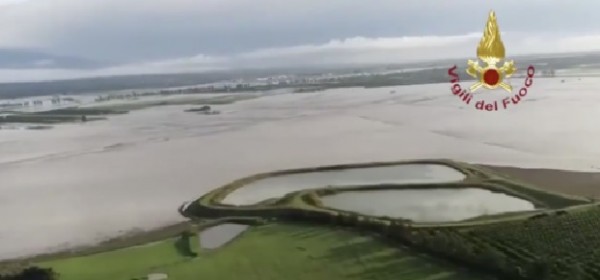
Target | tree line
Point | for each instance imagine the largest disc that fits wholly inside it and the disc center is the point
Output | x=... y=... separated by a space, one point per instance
x=31 y=273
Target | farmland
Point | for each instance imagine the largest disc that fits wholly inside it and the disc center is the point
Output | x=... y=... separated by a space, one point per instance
x=513 y=246
x=286 y=251
x=525 y=244
x=297 y=237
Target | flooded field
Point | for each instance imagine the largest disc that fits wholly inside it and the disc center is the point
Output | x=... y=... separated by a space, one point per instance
x=217 y=236
x=428 y=205
x=78 y=184
x=398 y=174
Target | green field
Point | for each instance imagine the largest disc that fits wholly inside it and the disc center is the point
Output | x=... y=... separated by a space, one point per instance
x=270 y=252
x=296 y=237
x=573 y=236
x=498 y=244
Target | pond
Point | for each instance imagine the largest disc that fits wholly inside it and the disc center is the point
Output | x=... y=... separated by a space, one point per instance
x=428 y=205
x=217 y=236
x=279 y=186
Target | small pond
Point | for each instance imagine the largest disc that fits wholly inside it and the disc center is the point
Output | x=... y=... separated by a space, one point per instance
x=428 y=205
x=279 y=186
x=216 y=236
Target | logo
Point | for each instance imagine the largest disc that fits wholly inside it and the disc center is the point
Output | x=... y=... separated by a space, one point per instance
x=491 y=78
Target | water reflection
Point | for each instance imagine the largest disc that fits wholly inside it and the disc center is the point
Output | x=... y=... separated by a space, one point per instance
x=216 y=236
x=400 y=174
x=428 y=205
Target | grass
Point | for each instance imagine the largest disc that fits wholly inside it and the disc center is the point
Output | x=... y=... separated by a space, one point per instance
x=572 y=235
x=127 y=263
x=293 y=251
x=267 y=252
x=451 y=241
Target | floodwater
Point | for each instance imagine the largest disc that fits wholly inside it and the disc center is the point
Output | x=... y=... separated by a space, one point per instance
x=217 y=236
x=78 y=184
x=428 y=205
x=276 y=187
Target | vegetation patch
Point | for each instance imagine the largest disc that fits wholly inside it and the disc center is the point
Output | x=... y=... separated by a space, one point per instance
x=44 y=119
x=31 y=273
x=297 y=237
x=184 y=244
x=192 y=100
x=133 y=238
x=483 y=243
x=276 y=251
x=307 y=204
x=75 y=114
x=100 y=111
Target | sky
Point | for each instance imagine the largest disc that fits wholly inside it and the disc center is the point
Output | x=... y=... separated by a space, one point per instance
x=189 y=35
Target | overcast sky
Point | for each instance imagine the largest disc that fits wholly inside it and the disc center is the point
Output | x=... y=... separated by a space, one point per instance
x=207 y=34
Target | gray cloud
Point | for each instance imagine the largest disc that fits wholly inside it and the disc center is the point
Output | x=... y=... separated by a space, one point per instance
x=357 y=50
x=143 y=30
x=154 y=36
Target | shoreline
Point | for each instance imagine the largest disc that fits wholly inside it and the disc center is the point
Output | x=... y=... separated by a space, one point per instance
x=130 y=239
x=579 y=183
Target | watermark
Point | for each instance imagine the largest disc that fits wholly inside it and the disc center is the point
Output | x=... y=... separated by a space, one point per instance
x=490 y=77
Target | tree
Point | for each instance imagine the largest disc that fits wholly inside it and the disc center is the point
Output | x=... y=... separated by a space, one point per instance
x=32 y=273
x=494 y=259
x=576 y=272
x=36 y=273
x=540 y=269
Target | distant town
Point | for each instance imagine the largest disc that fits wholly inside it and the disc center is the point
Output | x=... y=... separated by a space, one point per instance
x=298 y=83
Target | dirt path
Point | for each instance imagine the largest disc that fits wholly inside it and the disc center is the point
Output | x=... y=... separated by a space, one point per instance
x=568 y=182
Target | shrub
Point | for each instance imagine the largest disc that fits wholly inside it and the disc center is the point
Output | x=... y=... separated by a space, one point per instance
x=32 y=273
x=184 y=245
